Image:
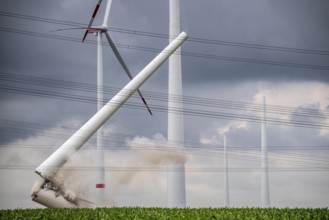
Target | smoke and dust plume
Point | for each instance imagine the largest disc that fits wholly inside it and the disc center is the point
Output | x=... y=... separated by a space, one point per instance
x=151 y=153
x=77 y=178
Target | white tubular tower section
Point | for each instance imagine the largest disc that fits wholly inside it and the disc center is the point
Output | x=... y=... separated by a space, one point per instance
x=54 y=162
x=176 y=171
x=226 y=182
x=265 y=192
x=100 y=175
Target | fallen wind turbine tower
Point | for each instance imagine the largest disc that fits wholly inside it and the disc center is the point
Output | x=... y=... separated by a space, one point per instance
x=50 y=192
x=176 y=192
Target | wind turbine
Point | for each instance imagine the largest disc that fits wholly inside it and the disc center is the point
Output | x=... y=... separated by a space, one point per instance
x=104 y=29
x=265 y=191
x=99 y=31
x=226 y=181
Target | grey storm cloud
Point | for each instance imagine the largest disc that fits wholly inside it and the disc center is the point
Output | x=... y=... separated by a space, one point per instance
x=278 y=25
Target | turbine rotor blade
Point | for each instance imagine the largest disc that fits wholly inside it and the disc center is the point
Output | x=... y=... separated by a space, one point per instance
x=107 y=13
x=117 y=54
x=123 y=64
x=92 y=19
x=68 y=29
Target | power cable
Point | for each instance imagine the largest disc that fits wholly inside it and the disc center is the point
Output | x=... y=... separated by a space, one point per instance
x=165 y=36
x=189 y=148
x=164 y=169
x=159 y=108
x=156 y=50
x=186 y=100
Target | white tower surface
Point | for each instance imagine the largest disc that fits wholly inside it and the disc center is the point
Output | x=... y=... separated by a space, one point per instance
x=176 y=196
x=265 y=192
x=226 y=182
x=100 y=175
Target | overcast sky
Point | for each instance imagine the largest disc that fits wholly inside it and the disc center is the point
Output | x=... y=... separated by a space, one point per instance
x=238 y=51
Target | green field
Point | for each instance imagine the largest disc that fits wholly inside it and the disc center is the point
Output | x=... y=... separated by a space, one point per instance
x=163 y=213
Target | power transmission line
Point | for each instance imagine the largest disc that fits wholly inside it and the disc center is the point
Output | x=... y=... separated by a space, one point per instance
x=158 y=108
x=162 y=108
x=116 y=142
x=165 y=36
x=156 y=50
x=121 y=142
x=164 y=169
x=19 y=80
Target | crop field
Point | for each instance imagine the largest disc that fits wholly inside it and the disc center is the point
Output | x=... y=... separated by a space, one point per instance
x=164 y=213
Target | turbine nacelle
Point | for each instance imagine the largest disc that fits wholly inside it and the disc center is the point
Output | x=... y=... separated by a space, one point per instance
x=94 y=29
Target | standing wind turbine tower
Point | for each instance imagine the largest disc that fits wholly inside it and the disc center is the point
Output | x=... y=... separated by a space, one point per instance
x=265 y=192
x=176 y=195
x=226 y=184
x=99 y=31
